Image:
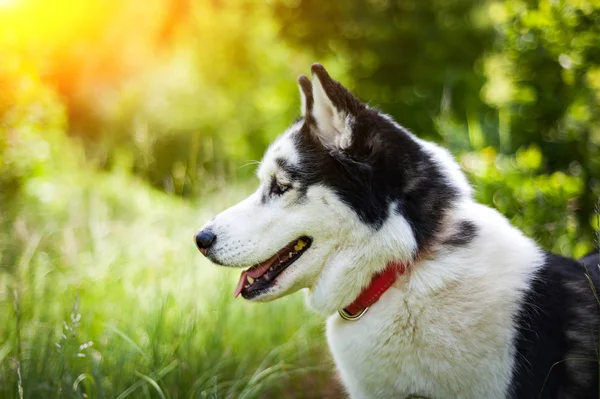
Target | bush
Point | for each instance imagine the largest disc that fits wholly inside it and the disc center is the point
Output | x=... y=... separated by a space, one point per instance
x=542 y=205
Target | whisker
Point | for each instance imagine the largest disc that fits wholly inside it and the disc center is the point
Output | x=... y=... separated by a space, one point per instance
x=249 y=163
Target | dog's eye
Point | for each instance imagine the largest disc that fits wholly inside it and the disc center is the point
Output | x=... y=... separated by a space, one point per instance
x=280 y=188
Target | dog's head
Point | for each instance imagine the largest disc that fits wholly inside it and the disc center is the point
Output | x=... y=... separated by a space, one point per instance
x=342 y=192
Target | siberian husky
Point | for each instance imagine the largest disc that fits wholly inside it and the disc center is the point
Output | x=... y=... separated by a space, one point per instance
x=428 y=293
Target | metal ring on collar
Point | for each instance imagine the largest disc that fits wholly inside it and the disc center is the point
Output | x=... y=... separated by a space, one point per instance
x=347 y=316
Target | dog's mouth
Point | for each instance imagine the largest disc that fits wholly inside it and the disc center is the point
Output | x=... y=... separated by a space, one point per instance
x=261 y=277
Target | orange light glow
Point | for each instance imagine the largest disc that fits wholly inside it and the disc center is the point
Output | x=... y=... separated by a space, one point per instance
x=81 y=45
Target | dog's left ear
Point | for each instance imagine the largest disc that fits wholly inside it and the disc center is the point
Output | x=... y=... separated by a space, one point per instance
x=330 y=108
x=306 y=96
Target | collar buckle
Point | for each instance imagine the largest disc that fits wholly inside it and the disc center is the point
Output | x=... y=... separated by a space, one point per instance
x=344 y=314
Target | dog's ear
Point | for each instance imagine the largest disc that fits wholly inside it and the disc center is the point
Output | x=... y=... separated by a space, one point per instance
x=333 y=109
x=306 y=96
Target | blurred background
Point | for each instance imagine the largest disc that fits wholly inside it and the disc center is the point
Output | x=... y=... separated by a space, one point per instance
x=124 y=125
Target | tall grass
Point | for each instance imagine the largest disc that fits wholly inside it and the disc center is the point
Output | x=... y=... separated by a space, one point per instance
x=106 y=296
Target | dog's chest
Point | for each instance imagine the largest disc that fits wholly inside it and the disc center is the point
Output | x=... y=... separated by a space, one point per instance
x=402 y=348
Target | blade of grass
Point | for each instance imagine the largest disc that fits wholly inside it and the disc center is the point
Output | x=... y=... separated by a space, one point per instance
x=163 y=372
x=130 y=341
x=556 y=364
x=4 y=351
x=152 y=382
x=131 y=389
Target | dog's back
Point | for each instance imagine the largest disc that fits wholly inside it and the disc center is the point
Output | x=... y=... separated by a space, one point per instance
x=557 y=339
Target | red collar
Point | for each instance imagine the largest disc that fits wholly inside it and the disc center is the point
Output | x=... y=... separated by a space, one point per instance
x=371 y=294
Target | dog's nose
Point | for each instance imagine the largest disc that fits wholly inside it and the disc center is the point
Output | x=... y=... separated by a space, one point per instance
x=204 y=239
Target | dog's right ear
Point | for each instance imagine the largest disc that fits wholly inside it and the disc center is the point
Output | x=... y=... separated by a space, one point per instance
x=306 y=96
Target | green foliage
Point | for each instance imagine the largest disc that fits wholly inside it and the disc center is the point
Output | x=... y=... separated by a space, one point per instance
x=532 y=200
x=543 y=79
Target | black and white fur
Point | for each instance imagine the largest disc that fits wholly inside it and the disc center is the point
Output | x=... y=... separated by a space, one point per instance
x=481 y=312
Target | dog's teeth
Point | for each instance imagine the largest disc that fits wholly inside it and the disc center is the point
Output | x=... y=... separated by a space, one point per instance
x=271 y=268
x=250 y=279
x=247 y=286
x=290 y=254
x=299 y=245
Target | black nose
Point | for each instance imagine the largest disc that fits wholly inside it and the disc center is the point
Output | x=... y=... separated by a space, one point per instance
x=204 y=239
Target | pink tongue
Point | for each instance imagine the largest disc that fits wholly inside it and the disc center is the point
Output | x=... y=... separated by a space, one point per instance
x=240 y=284
x=254 y=272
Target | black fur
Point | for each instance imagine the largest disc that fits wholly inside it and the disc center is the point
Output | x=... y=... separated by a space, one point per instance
x=291 y=170
x=558 y=320
x=383 y=166
x=466 y=231
x=370 y=177
x=591 y=260
x=306 y=88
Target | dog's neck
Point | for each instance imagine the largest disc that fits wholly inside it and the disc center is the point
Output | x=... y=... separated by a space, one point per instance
x=351 y=268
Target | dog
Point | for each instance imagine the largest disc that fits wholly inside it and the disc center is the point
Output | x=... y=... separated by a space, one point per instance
x=427 y=292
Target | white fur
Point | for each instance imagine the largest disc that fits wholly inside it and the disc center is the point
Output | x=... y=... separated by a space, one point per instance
x=447 y=165
x=444 y=330
x=284 y=148
x=359 y=253
x=303 y=102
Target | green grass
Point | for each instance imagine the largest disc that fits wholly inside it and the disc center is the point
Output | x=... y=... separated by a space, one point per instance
x=102 y=294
